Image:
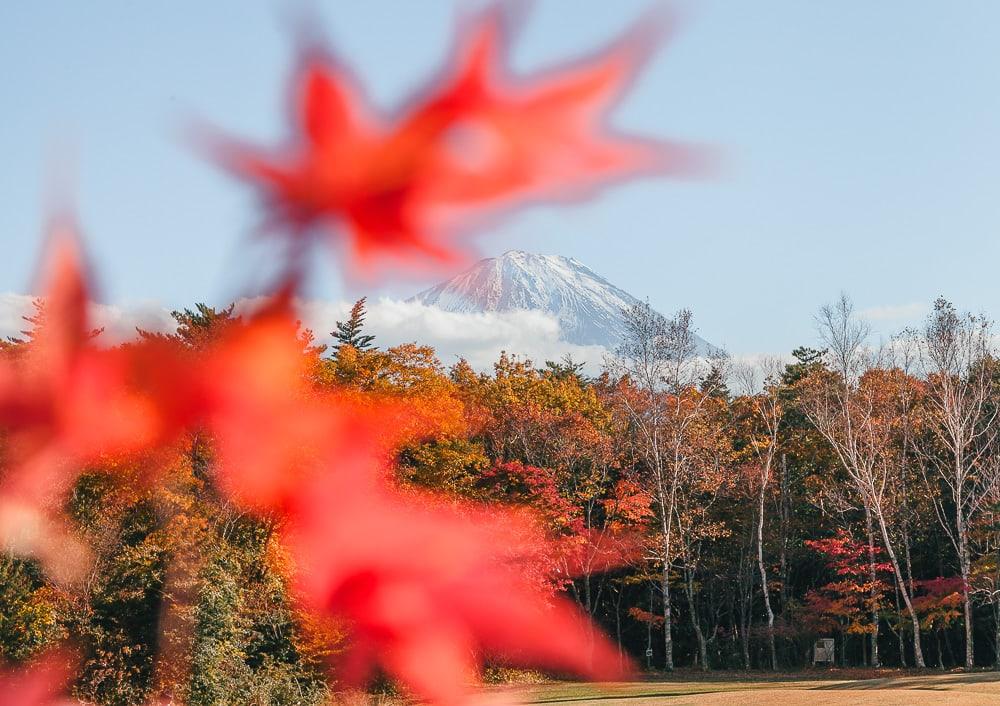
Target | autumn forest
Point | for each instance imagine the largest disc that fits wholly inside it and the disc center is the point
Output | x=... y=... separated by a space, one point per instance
x=704 y=513
x=236 y=509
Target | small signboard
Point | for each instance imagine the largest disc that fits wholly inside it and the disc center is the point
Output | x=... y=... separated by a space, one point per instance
x=823 y=651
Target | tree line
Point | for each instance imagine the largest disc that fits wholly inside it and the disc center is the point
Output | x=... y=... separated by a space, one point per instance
x=705 y=513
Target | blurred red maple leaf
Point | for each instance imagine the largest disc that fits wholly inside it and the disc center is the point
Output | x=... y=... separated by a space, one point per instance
x=53 y=392
x=41 y=682
x=481 y=139
x=428 y=588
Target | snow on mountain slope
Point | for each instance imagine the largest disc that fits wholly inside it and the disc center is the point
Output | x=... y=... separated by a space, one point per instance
x=587 y=306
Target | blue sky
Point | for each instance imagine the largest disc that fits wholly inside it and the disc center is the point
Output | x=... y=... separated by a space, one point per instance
x=860 y=144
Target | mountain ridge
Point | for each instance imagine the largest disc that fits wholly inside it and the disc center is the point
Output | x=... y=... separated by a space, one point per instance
x=586 y=305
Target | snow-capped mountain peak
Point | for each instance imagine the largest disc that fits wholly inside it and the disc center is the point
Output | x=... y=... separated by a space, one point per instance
x=587 y=306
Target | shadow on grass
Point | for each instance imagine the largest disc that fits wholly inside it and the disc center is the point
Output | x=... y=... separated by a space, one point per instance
x=922 y=681
x=630 y=696
x=682 y=684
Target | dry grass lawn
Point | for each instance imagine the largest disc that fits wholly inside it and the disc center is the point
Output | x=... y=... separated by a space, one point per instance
x=825 y=689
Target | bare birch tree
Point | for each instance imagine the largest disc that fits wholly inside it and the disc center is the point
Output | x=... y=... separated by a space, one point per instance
x=955 y=352
x=849 y=411
x=986 y=569
x=660 y=357
x=760 y=389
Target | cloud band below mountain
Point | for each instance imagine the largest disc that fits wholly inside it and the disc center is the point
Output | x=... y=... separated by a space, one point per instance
x=477 y=337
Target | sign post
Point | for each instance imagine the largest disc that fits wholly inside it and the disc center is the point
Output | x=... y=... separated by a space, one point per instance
x=823 y=651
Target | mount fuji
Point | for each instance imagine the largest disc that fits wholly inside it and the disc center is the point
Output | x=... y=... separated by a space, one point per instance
x=587 y=307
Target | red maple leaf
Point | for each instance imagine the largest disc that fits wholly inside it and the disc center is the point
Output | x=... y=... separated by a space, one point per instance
x=399 y=186
x=427 y=588
x=53 y=393
x=42 y=682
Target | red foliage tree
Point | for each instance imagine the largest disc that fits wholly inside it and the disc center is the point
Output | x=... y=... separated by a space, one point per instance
x=845 y=604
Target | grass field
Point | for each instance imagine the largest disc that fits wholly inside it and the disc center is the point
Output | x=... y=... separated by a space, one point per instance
x=822 y=689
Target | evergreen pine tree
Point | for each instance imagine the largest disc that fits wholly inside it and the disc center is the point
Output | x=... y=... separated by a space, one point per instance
x=349 y=333
x=807 y=361
x=714 y=383
x=565 y=369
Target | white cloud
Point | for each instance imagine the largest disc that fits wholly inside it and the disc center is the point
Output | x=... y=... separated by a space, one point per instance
x=12 y=308
x=478 y=337
x=895 y=313
x=760 y=360
x=119 y=322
